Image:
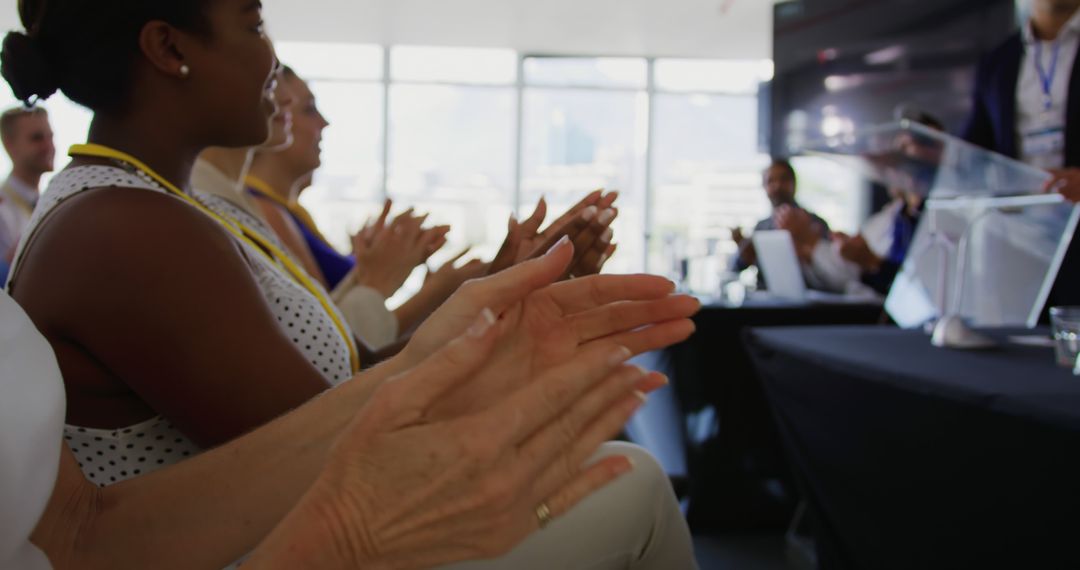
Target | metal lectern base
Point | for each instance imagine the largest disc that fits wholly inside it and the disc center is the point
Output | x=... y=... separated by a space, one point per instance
x=952 y=332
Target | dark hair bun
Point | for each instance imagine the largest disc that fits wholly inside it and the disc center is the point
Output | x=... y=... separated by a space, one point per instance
x=26 y=69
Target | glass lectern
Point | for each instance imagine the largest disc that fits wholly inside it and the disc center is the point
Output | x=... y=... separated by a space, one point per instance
x=990 y=242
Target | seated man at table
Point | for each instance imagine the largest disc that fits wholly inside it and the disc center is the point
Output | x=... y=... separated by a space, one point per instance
x=781 y=184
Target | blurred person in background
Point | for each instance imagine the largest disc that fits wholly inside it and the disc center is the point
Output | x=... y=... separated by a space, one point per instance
x=28 y=141
x=1026 y=105
x=781 y=184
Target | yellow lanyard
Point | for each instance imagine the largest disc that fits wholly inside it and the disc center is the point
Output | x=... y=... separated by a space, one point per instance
x=240 y=231
x=18 y=200
x=260 y=187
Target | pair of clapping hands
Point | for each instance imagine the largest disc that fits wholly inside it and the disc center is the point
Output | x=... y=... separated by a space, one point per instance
x=493 y=408
x=387 y=251
x=806 y=233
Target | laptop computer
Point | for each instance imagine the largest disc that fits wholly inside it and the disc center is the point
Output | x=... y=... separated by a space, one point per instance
x=779 y=264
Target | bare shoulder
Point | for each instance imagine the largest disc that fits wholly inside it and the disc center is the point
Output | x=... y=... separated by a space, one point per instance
x=111 y=240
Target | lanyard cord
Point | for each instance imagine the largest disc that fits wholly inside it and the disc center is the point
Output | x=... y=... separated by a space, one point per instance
x=259 y=187
x=1046 y=78
x=240 y=231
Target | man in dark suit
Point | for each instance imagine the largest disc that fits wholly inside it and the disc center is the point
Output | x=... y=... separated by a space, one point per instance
x=1027 y=106
x=781 y=184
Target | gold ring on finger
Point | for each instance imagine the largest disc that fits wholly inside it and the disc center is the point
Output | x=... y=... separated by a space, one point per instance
x=543 y=514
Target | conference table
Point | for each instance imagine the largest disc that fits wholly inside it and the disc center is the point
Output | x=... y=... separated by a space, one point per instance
x=911 y=456
x=738 y=478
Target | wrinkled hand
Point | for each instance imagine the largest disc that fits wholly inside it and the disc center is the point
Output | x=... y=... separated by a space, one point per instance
x=386 y=254
x=805 y=232
x=549 y=323
x=1065 y=182
x=402 y=489
x=587 y=224
x=856 y=250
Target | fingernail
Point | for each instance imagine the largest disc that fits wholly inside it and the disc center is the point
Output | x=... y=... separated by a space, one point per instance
x=641 y=396
x=606 y=216
x=589 y=213
x=607 y=235
x=603 y=260
x=619 y=355
x=565 y=240
x=638 y=374
x=483 y=323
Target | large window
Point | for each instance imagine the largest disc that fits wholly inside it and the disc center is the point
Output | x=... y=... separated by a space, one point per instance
x=471 y=135
x=452 y=139
x=585 y=126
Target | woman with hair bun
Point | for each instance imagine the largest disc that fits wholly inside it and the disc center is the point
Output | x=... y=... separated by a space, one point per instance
x=176 y=329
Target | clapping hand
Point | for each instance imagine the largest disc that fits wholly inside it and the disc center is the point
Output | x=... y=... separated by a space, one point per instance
x=805 y=232
x=387 y=253
x=587 y=224
x=547 y=322
x=407 y=487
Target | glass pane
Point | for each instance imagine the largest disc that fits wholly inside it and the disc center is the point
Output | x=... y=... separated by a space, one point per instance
x=453 y=65
x=707 y=181
x=991 y=242
x=587 y=72
x=346 y=188
x=577 y=141
x=314 y=60
x=711 y=75
x=452 y=154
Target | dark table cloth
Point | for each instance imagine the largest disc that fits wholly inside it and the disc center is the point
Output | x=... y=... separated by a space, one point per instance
x=738 y=477
x=911 y=456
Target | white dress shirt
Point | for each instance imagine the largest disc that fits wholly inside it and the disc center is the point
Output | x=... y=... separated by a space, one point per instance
x=829 y=271
x=17 y=202
x=1041 y=130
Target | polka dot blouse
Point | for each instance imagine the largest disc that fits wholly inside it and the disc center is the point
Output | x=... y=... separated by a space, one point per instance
x=110 y=456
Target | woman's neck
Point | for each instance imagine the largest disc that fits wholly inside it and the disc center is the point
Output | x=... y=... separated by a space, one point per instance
x=234 y=163
x=170 y=157
x=267 y=168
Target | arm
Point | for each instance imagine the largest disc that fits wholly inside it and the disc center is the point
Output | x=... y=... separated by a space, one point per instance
x=158 y=298
x=204 y=512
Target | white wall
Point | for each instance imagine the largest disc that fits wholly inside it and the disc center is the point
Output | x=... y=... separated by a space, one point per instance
x=738 y=29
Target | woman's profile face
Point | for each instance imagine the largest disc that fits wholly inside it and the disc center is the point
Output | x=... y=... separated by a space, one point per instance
x=304 y=156
x=281 y=123
x=231 y=74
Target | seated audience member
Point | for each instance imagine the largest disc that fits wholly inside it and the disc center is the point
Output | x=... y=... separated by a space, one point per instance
x=300 y=474
x=180 y=329
x=280 y=174
x=217 y=178
x=28 y=141
x=781 y=185
x=385 y=254
x=870 y=261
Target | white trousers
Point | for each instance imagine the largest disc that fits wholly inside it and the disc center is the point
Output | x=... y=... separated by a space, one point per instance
x=633 y=523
